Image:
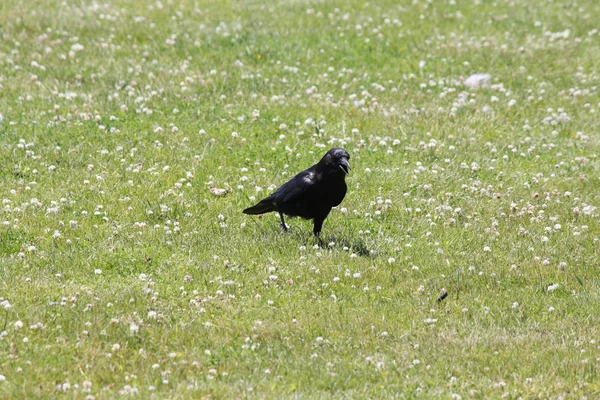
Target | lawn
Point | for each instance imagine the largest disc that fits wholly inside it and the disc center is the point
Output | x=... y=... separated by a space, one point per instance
x=133 y=133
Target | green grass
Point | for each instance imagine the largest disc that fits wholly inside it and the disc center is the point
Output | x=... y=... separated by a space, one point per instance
x=120 y=270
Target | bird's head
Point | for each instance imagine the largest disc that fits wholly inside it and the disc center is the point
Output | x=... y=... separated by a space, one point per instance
x=337 y=159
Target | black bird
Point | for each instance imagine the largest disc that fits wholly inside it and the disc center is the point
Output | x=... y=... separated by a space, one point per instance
x=312 y=193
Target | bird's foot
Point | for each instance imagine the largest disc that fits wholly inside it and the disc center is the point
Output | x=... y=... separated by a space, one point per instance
x=319 y=240
x=284 y=226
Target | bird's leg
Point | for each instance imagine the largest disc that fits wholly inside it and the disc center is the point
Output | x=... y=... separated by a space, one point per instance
x=318 y=224
x=283 y=225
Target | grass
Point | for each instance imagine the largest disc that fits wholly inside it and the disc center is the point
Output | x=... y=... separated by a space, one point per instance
x=122 y=274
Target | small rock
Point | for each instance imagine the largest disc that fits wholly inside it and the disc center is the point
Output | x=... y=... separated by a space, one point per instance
x=218 y=192
x=476 y=81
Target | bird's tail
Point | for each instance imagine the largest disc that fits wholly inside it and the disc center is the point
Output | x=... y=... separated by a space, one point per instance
x=264 y=206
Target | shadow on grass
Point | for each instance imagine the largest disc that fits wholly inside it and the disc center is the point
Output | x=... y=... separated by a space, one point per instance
x=301 y=233
x=305 y=237
x=356 y=245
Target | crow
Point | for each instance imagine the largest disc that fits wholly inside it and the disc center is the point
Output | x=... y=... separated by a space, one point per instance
x=312 y=193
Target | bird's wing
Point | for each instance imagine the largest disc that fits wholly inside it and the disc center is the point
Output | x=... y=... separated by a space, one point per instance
x=295 y=187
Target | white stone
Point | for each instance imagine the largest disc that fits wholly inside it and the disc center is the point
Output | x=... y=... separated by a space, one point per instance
x=476 y=81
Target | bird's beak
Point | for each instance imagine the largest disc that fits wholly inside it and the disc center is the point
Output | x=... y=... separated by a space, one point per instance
x=345 y=165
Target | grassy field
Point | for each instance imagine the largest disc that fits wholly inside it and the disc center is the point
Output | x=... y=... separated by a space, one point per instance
x=123 y=274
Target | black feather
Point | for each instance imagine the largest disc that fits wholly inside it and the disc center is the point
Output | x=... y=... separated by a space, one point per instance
x=264 y=206
x=442 y=297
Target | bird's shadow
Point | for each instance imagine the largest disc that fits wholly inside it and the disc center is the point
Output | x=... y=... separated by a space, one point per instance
x=341 y=240
x=355 y=245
